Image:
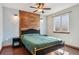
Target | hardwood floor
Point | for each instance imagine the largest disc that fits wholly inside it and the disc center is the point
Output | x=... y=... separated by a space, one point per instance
x=22 y=51
x=14 y=51
x=72 y=51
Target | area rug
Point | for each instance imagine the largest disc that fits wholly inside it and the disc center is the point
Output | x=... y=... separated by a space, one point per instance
x=59 y=52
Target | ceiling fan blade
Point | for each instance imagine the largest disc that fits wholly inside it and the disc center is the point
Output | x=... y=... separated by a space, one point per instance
x=35 y=11
x=42 y=11
x=32 y=7
x=47 y=8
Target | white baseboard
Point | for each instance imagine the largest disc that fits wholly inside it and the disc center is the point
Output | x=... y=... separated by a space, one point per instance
x=72 y=46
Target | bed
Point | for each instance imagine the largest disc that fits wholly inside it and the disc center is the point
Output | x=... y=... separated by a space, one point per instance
x=34 y=42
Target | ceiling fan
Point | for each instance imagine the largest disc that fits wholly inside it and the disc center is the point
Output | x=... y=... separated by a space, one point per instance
x=40 y=7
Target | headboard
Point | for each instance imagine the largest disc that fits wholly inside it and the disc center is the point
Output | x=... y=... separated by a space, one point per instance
x=30 y=31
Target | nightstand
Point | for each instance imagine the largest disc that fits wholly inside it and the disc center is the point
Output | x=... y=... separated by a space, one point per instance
x=16 y=42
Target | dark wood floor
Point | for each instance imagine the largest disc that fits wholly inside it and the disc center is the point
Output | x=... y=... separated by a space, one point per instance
x=22 y=51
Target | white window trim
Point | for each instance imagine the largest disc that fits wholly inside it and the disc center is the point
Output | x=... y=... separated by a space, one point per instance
x=60 y=31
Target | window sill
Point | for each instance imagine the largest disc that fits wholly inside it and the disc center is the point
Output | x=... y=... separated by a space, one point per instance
x=62 y=32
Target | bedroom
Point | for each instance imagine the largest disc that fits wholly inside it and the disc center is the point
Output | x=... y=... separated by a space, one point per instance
x=18 y=18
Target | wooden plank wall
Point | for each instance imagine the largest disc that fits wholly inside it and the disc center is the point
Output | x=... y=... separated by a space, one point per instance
x=29 y=20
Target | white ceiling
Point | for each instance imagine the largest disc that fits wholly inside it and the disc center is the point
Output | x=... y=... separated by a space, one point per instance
x=55 y=7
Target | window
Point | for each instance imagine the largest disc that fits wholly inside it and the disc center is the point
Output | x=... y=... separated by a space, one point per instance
x=61 y=23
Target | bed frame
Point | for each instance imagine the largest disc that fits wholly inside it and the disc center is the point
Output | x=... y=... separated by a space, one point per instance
x=30 y=31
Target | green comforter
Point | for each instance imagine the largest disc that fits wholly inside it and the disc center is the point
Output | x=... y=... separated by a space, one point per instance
x=37 y=41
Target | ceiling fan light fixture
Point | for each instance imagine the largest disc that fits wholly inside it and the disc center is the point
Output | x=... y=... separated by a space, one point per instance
x=40 y=7
x=40 y=10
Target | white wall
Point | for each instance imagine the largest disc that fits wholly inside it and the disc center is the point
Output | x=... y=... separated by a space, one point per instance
x=72 y=38
x=1 y=26
x=10 y=25
x=43 y=27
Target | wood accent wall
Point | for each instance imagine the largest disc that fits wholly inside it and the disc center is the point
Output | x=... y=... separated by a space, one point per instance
x=29 y=20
